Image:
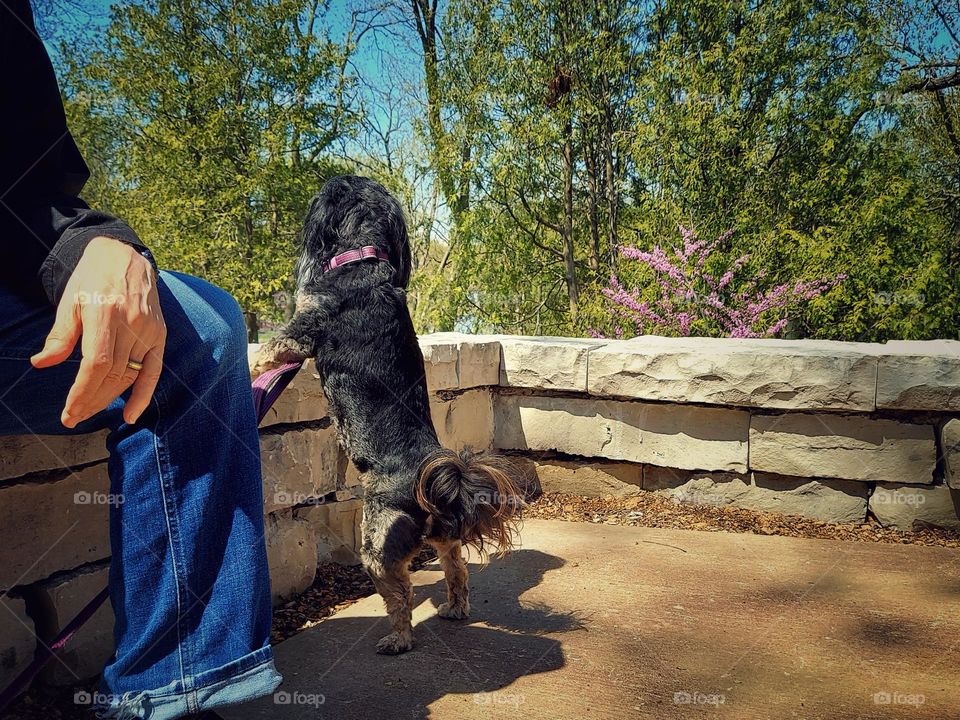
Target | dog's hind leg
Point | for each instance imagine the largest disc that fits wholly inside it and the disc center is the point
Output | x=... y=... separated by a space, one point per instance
x=393 y=584
x=390 y=541
x=457 y=606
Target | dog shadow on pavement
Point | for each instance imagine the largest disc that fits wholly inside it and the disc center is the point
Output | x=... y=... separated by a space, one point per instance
x=333 y=671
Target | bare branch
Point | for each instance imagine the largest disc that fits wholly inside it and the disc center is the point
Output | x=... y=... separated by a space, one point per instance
x=935 y=84
x=537 y=216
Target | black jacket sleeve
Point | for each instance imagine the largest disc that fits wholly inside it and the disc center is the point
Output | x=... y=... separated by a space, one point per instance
x=44 y=225
x=69 y=225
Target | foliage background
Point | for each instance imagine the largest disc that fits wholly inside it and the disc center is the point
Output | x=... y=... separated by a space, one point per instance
x=529 y=140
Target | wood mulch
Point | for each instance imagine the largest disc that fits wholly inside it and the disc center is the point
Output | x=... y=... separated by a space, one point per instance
x=335 y=587
x=651 y=510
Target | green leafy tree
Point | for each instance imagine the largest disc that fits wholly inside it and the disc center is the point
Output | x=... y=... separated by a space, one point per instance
x=538 y=88
x=766 y=118
x=228 y=109
x=530 y=141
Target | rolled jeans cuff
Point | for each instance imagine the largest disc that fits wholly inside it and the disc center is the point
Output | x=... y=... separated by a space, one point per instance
x=245 y=679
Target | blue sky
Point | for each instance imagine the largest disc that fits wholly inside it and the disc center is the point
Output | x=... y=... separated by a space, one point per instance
x=90 y=18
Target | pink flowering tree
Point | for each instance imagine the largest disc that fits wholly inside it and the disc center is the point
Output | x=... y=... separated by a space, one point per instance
x=687 y=299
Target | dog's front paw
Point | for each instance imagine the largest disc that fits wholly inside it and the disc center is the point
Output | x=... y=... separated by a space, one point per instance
x=395 y=643
x=459 y=611
x=273 y=354
x=266 y=358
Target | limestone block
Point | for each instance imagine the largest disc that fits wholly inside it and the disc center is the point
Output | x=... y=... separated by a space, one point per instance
x=479 y=361
x=22 y=454
x=291 y=554
x=790 y=374
x=851 y=448
x=17 y=639
x=440 y=361
x=464 y=420
x=46 y=527
x=671 y=435
x=908 y=507
x=546 y=363
x=336 y=527
x=586 y=478
x=299 y=464
x=919 y=375
x=352 y=477
x=950 y=442
x=87 y=652
x=837 y=501
x=460 y=361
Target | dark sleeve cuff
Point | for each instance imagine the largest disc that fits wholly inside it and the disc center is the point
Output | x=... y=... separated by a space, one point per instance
x=73 y=239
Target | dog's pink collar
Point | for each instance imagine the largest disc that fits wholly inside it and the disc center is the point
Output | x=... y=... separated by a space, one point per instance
x=352 y=256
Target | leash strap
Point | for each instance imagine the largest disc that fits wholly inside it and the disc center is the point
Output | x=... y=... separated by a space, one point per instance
x=266 y=389
x=46 y=652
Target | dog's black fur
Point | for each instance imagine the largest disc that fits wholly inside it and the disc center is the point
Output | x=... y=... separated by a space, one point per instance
x=354 y=321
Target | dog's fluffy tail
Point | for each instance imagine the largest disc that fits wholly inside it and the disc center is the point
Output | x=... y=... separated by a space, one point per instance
x=474 y=497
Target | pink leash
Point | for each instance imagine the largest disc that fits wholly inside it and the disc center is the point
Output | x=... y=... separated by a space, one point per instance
x=266 y=389
x=46 y=653
x=269 y=386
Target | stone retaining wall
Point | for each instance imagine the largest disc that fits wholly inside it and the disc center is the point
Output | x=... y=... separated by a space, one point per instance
x=823 y=429
x=828 y=430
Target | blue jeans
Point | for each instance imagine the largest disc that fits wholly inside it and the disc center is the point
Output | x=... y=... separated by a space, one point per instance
x=188 y=578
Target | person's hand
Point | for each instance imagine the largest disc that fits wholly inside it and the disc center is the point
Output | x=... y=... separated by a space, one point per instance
x=111 y=302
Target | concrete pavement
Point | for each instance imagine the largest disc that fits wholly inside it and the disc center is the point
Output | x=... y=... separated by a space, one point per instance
x=594 y=621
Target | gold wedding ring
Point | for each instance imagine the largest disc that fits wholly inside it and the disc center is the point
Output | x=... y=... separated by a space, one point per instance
x=134 y=365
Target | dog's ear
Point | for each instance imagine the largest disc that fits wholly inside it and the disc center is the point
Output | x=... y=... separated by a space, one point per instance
x=311 y=236
x=401 y=249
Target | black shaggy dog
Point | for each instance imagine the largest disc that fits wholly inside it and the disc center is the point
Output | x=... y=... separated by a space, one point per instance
x=353 y=320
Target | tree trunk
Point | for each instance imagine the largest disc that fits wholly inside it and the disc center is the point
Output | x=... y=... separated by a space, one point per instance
x=253 y=322
x=593 y=188
x=253 y=327
x=457 y=196
x=613 y=201
x=573 y=292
